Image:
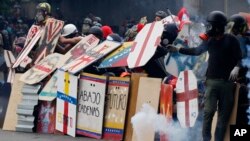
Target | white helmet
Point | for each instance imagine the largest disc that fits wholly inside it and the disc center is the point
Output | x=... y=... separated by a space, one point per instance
x=69 y=29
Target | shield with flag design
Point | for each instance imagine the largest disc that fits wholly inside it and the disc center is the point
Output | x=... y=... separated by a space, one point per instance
x=66 y=103
x=187 y=98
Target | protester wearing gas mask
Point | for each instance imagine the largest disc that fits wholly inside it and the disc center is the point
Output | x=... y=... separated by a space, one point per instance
x=223 y=68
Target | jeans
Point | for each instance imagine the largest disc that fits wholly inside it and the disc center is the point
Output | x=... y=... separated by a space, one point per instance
x=219 y=93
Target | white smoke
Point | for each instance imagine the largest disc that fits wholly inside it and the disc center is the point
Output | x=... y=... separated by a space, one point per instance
x=148 y=118
x=246 y=63
x=248 y=1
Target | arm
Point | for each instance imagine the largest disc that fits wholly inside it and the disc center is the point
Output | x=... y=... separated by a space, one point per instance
x=68 y=42
x=203 y=47
x=73 y=40
x=63 y=50
x=237 y=55
x=237 y=52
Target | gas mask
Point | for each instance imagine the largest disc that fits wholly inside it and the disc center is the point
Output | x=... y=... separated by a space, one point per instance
x=40 y=16
x=85 y=29
x=214 y=29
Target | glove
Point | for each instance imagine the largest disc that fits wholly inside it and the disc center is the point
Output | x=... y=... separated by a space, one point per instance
x=234 y=73
x=172 y=48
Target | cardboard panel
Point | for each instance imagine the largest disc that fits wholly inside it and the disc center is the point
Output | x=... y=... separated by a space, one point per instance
x=15 y=98
x=66 y=103
x=49 y=39
x=166 y=105
x=146 y=42
x=33 y=36
x=117 y=58
x=133 y=93
x=91 y=56
x=41 y=70
x=115 y=108
x=47 y=117
x=148 y=92
x=91 y=102
x=49 y=92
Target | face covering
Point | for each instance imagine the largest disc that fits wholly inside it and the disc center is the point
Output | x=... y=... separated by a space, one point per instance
x=85 y=28
x=39 y=17
x=214 y=30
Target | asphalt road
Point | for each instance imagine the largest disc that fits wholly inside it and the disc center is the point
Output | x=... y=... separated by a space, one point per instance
x=21 y=136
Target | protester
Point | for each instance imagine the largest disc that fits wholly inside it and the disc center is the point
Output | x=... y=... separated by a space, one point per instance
x=154 y=66
x=70 y=37
x=5 y=44
x=106 y=30
x=159 y=15
x=87 y=24
x=43 y=13
x=97 y=31
x=223 y=67
x=240 y=30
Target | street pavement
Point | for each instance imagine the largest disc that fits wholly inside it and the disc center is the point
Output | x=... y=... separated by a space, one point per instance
x=21 y=136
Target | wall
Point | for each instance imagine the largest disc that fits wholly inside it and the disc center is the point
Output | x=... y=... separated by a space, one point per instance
x=115 y=11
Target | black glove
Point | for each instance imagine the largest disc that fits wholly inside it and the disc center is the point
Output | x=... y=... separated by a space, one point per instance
x=172 y=48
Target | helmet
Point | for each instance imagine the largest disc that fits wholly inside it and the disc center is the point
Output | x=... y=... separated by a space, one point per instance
x=240 y=23
x=114 y=37
x=216 y=22
x=87 y=21
x=97 y=24
x=161 y=14
x=45 y=7
x=97 y=31
x=217 y=17
x=98 y=19
x=170 y=33
x=106 y=30
x=69 y=29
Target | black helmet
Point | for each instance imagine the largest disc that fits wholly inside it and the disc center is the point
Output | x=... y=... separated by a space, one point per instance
x=217 y=17
x=170 y=33
x=240 y=23
x=161 y=14
x=114 y=37
x=97 y=31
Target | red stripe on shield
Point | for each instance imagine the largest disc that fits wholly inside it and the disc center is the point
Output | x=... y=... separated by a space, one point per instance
x=65 y=117
x=186 y=96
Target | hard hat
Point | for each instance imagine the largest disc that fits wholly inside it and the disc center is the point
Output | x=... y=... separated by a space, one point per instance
x=44 y=6
x=69 y=29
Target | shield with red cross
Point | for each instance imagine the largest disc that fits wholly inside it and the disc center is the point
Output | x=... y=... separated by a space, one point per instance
x=187 y=98
x=66 y=103
x=145 y=44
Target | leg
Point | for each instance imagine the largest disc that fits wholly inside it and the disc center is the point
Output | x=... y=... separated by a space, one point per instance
x=210 y=106
x=225 y=106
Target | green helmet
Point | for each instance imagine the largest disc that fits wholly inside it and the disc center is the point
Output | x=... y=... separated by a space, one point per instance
x=45 y=7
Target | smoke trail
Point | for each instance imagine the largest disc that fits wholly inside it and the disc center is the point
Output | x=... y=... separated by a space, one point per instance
x=147 y=118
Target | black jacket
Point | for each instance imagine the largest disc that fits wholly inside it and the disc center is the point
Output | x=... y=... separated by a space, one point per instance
x=224 y=55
